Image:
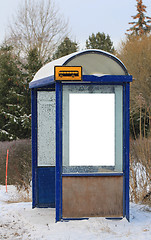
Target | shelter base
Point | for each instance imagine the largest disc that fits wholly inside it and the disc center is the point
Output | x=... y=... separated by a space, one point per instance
x=92 y=196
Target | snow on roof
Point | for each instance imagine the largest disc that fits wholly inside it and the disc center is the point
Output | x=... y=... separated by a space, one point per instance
x=48 y=69
x=93 y=61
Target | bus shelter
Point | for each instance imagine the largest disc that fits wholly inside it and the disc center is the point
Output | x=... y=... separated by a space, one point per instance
x=80 y=136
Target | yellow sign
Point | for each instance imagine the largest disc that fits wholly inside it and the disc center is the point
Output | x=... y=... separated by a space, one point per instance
x=65 y=73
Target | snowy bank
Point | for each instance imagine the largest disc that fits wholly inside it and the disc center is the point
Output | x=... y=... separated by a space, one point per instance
x=19 y=221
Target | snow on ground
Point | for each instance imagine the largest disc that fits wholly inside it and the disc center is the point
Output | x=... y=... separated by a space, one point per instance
x=19 y=221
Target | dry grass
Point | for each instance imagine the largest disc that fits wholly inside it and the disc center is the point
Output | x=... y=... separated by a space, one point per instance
x=21 y=199
x=140 y=170
x=19 y=195
x=19 y=163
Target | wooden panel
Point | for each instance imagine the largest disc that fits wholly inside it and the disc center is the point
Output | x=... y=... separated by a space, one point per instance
x=92 y=196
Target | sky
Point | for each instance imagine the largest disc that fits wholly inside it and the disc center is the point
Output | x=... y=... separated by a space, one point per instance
x=85 y=17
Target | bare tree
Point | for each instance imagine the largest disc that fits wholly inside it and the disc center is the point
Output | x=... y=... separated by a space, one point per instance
x=135 y=52
x=37 y=24
x=140 y=170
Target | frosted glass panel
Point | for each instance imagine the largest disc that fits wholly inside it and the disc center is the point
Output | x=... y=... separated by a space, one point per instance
x=97 y=64
x=91 y=129
x=46 y=128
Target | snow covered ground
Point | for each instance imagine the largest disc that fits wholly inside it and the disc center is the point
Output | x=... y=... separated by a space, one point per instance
x=19 y=221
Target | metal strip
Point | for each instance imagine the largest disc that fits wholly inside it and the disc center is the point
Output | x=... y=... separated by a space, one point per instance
x=72 y=219
x=42 y=82
x=34 y=145
x=48 y=81
x=112 y=174
x=127 y=112
x=108 y=78
x=124 y=130
x=58 y=150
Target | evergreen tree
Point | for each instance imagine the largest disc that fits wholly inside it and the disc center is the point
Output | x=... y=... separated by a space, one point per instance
x=100 y=41
x=32 y=65
x=10 y=92
x=65 y=48
x=15 y=103
x=141 y=25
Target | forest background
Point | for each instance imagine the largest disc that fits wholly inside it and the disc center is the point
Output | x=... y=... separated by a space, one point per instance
x=35 y=39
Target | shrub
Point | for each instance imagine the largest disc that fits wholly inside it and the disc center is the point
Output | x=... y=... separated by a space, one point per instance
x=140 y=170
x=19 y=163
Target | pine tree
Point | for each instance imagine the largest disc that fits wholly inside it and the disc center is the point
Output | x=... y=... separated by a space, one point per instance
x=65 y=48
x=141 y=26
x=10 y=92
x=15 y=102
x=100 y=41
x=32 y=64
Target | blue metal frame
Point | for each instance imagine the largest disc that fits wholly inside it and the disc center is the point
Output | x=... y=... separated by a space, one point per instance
x=127 y=131
x=58 y=151
x=109 y=174
x=114 y=80
x=109 y=80
x=126 y=115
x=106 y=79
x=34 y=144
x=41 y=196
x=124 y=100
x=42 y=82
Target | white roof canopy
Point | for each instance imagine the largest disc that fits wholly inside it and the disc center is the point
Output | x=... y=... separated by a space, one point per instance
x=93 y=62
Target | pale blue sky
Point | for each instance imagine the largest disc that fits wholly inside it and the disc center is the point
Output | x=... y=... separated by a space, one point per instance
x=85 y=17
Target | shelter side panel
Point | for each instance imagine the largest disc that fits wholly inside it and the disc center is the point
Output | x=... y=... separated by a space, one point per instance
x=91 y=196
x=46 y=186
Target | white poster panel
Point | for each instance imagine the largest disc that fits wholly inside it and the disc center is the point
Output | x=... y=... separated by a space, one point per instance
x=91 y=129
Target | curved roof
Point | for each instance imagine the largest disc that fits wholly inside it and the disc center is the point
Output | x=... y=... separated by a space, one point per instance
x=93 y=62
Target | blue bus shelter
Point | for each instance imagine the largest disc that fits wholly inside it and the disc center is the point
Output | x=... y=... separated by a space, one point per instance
x=80 y=136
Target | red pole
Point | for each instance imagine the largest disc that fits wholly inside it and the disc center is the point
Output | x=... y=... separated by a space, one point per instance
x=6 y=169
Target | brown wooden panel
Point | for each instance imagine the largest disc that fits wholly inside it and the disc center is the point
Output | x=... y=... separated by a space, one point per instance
x=92 y=196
